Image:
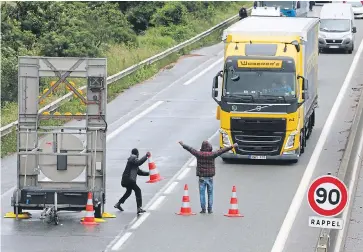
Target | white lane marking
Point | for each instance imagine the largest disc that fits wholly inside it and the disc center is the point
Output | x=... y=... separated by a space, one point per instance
x=121 y=241
x=185 y=166
x=133 y=120
x=305 y=181
x=352 y=181
x=203 y=72
x=193 y=163
x=157 y=203
x=184 y=173
x=164 y=89
x=140 y=220
x=171 y=187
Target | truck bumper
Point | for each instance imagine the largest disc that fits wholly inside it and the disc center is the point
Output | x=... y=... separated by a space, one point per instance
x=280 y=157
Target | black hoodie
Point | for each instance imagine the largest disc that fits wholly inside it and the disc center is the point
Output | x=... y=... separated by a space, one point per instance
x=132 y=170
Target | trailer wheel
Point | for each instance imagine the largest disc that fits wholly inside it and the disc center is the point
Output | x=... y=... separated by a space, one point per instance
x=98 y=211
x=56 y=219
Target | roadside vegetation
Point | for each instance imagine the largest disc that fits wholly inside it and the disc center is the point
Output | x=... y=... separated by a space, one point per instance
x=124 y=32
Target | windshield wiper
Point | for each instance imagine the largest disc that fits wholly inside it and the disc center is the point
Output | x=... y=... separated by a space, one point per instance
x=273 y=96
x=243 y=96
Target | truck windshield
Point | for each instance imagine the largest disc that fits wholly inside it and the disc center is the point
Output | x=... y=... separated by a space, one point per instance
x=281 y=4
x=334 y=25
x=260 y=83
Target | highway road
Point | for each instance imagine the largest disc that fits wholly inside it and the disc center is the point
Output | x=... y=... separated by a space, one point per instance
x=153 y=116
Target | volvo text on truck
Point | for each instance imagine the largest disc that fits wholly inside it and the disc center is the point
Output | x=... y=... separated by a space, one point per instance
x=268 y=94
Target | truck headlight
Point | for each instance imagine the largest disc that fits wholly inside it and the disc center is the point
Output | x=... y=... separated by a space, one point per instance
x=225 y=138
x=291 y=140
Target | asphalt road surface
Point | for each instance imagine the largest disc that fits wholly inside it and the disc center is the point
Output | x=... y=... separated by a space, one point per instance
x=154 y=116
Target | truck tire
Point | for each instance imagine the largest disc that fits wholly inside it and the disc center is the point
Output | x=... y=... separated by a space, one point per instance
x=98 y=211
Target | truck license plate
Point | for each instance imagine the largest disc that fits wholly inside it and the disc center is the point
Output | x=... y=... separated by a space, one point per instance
x=257 y=157
x=334 y=46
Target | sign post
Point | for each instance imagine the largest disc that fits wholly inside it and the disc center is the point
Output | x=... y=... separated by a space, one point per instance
x=327 y=197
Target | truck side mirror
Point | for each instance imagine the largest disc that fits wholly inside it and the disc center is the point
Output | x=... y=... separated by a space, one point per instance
x=354 y=29
x=215 y=86
x=304 y=82
x=298 y=5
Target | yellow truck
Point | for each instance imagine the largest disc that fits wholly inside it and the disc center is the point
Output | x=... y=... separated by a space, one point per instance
x=268 y=92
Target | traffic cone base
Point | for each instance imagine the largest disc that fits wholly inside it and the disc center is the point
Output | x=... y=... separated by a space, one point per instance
x=156 y=179
x=154 y=175
x=185 y=214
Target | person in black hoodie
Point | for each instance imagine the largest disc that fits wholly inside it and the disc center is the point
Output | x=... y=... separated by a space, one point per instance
x=206 y=170
x=128 y=180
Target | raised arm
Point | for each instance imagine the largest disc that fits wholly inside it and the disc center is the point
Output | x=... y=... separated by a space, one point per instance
x=141 y=160
x=192 y=151
x=224 y=150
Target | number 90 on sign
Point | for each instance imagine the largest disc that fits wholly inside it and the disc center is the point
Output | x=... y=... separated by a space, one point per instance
x=327 y=196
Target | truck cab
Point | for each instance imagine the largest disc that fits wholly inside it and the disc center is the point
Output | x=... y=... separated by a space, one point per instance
x=266 y=92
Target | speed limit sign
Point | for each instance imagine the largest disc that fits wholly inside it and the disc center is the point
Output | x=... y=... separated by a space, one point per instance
x=327 y=196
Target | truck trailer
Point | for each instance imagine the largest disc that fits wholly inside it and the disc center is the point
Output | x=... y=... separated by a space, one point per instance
x=268 y=92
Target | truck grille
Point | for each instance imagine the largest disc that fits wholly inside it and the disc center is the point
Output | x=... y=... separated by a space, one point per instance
x=258 y=136
x=334 y=41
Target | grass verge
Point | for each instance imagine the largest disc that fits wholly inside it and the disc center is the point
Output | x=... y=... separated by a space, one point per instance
x=120 y=57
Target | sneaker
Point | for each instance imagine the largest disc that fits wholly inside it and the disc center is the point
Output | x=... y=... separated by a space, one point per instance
x=210 y=211
x=140 y=211
x=203 y=211
x=118 y=206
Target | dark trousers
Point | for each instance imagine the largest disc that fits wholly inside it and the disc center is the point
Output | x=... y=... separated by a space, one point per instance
x=129 y=188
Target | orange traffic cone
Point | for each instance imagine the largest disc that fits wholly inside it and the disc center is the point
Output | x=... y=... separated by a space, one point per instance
x=90 y=218
x=233 y=211
x=185 y=208
x=154 y=174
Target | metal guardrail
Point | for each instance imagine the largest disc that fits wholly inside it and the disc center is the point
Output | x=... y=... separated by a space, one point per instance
x=111 y=79
x=327 y=237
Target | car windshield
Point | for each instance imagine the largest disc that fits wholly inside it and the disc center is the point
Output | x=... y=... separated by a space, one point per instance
x=334 y=25
x=355 y=4
x=260 y=84
x=281 y=4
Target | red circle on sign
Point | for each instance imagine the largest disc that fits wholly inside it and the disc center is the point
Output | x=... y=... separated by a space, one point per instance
x=342 y=189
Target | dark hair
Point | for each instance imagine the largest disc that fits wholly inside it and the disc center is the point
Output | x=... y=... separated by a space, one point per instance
x=135 y=152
